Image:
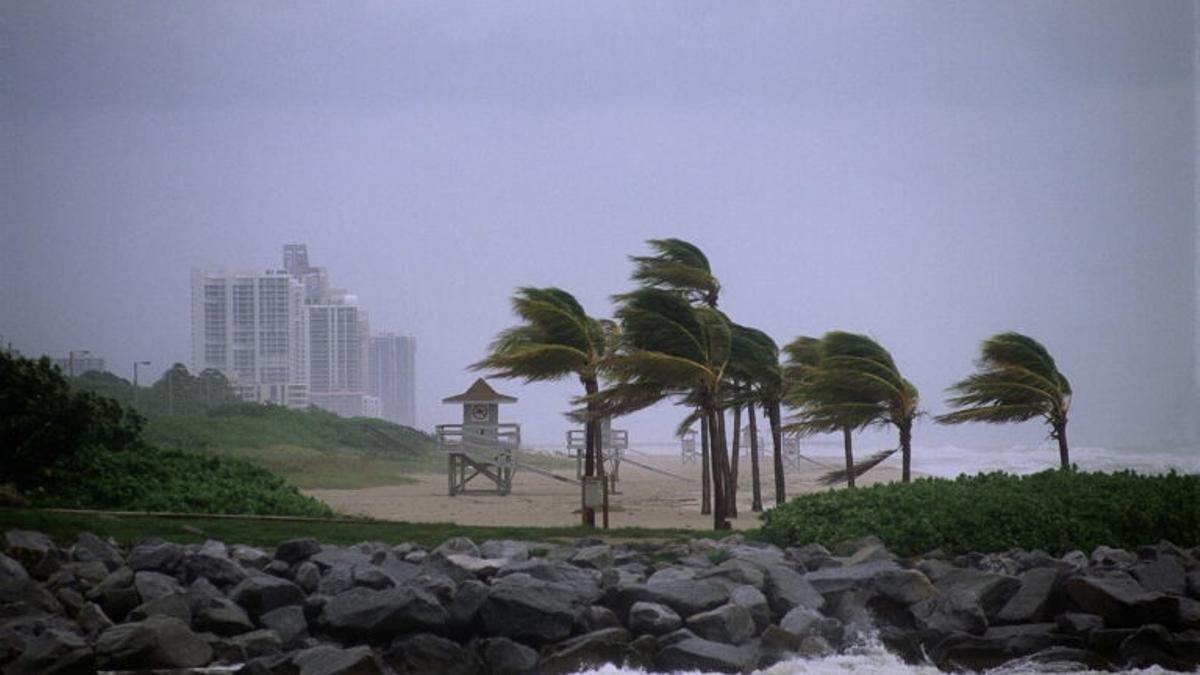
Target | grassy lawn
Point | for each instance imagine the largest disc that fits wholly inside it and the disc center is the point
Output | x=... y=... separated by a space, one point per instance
x=267 y=533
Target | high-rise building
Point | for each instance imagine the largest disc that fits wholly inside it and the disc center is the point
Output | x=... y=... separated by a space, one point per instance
x=79 y=363
x=251 y=326
x=336 y=337
x=391 y=376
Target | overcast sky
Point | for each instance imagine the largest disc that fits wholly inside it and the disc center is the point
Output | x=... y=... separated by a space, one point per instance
x=929 y=173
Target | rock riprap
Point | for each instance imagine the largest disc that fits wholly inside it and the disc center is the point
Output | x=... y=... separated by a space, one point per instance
x=526 y=607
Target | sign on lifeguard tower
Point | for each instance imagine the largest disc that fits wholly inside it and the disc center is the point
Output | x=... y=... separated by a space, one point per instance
x=481 y=445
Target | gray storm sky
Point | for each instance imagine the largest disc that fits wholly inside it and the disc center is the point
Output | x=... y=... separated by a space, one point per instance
x=929 y=173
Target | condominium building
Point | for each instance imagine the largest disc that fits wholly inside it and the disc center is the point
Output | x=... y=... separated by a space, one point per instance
x=251 y=326
x=391 y=376
x=336 y=339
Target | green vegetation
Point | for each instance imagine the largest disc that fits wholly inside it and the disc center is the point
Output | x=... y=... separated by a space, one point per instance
x=1056 y=511
x=268 y=532
x=61 y=446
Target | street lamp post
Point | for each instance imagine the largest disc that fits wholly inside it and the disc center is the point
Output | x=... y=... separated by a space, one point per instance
x=136 y=389
x=71 y=360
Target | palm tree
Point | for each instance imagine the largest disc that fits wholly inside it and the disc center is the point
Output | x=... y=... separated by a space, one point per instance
x=854 y=384
x=557 y=339
x=803 y=359
x=755 y=365
x=680 y=267
x=1017 y=380
x=671 y=350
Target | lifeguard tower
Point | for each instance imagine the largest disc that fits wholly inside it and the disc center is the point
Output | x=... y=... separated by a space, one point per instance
x=481 y=446
x=687 y=447
x=613 y=444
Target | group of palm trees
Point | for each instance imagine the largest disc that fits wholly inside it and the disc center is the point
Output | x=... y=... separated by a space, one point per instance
x=670 y=342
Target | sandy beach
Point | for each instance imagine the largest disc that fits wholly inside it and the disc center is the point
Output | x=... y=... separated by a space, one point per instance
x=644 y=499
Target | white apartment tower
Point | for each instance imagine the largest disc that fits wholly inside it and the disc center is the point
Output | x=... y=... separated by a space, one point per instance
x=251 y=326
x=391 y=376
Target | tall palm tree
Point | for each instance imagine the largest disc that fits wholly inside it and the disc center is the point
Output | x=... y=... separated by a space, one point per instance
x=856 y=384
x=557 y=339
x=680 y=267
x=671 y=350
x=755 y=366
x=803 y=359
x=1016 y=380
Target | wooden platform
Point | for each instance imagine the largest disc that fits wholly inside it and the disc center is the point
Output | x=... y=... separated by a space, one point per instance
x=463 y=468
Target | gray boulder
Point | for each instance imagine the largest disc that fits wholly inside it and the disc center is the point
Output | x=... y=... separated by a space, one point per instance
x=29 y=547
x=685 y=597
x=597 y=617
x=1072 y=623
x=249 y=556
x=262 y=593
x=426 y=653
x=906 y=587
x=583 y=582
x=289 y=623
x=458 y=546
x=54 y=652
x=157 y=642
x=217 y=568
x=673 y=573
x=991 y=591
x=330 y=557
x=249 y=646
x=155 y=557
x=293 y=551
x=754 y=602
x=950 y=613
x=786 y=589
x=329 y=660
x=591 y=650
x=92 y=619
x=529 y=610
x=468 y=599
x=506 y=657
x=154 y=585
x=1121 y=600
x=12 y=571
x=694 y=653
x=220 y=616
x=168 y=605
x=515 y=551
x=1034 y=598
x=730 y=624
x=831 y=580
x=596 y=557
x=307 y=576
x=362 y=611
x=650 y=618
x=90 y=548
x=1108 y=557
x=735 y=572
x=1165 y=575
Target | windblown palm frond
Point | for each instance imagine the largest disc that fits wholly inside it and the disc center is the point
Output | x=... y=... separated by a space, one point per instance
x=678 y=266
x=858 y=469
x=1016 y=380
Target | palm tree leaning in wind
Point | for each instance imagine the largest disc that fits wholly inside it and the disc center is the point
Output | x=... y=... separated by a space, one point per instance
x=1016 y=380
x=670 y=349
x=818 y=416
x=857 y=384
x=755 y=365
x=680 y=267
x=557 y=339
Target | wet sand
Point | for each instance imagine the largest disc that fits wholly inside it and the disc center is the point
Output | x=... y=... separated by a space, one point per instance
x=644 y=499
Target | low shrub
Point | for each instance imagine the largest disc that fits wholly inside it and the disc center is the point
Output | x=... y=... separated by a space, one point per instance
x=1056 y=511
x=146 y=478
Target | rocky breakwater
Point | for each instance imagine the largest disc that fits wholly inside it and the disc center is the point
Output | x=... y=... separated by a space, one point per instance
x=520 y=607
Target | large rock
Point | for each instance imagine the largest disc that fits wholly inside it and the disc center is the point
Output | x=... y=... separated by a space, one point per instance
x=465 y=606
x=458 y=546
x=154 y=585
x=155 y=557
x=591 y=650
x=1034 y=599
x=362 y=611
x=906 y=587
x=426 y=653
x=157 y=642
x=289 y=623
x=220 y=616
x=991 y=591
x=730 y=624
x=29 y=547
x=12 y=571
x=754 y=602
x=735 y=572
x=596 y=557
x=529 y=610
x=694 y=653
x=262 y=593
x=506 y=657
x=1121 y=600
x=168 y=605
x=217 y=568
x=1165 y=575
x=515 y=551
x=583 y=582
x=950 y=613
x=685 y=596
x=54 y=652
x=786 y=590
x=90 y=548
x=329 y=660
x=651 y=618
x=293 y=551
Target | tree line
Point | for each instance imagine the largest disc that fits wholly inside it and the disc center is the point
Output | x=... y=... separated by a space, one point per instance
x=668 y=341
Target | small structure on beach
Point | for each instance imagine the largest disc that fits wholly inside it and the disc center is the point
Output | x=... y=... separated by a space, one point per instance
x=687 y=447
x=613 y=444
x=482 y=446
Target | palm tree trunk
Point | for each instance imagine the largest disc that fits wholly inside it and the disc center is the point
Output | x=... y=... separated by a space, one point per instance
x=705 y=469
x=719 y=469
x=731 y=487
x=848 y=444
x=774 y=415
x=590 y=431
x=1064 y=453
x=598 y=443
x=755 y=485
x=906 y=450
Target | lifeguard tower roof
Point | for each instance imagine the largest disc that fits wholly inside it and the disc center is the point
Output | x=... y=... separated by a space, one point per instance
x=480 y=392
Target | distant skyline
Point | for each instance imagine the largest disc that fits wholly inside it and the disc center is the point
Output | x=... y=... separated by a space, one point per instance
x=929 y=173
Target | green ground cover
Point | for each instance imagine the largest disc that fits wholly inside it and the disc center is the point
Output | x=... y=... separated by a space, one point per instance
x=1056 y=511
x=267 y=533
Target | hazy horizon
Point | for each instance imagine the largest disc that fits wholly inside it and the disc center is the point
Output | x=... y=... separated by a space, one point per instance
x=926 y=173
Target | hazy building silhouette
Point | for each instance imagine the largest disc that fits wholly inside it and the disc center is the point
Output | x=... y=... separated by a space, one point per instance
x=391 y=376
x=80 y=364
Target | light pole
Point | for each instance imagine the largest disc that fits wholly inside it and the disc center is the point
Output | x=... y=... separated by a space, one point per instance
x=71 y=360
x=135 y=378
